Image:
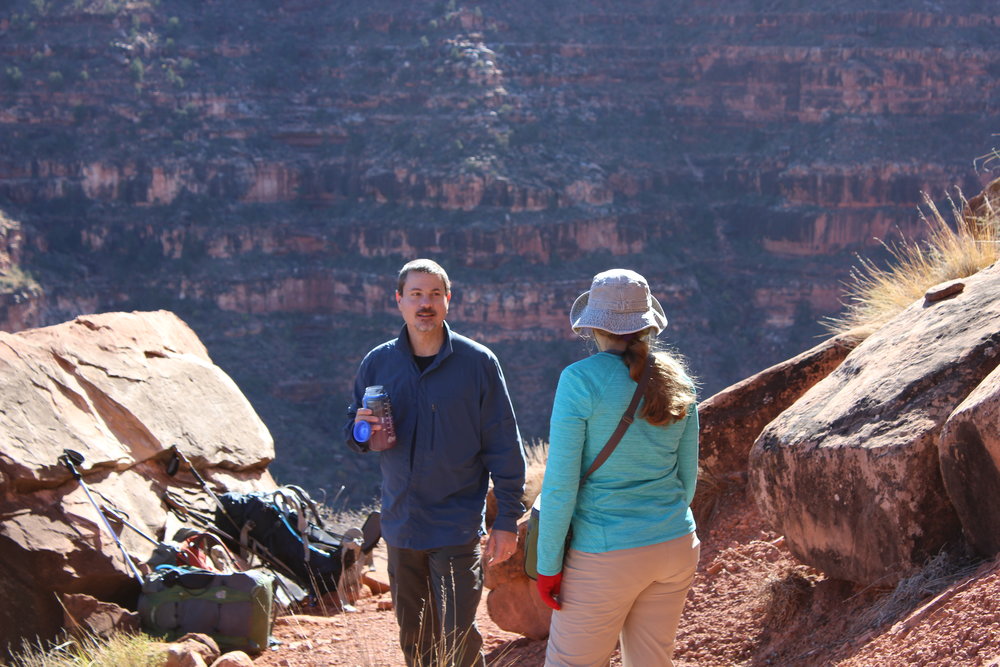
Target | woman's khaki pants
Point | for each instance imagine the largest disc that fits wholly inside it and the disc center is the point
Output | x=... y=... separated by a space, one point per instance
x=637 y=594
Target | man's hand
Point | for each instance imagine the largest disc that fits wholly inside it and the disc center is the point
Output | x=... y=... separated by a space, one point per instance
x=365 y=415
x=500 y=546
x=548 y=589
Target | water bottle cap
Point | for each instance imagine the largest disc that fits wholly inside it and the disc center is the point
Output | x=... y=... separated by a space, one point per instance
x=362 y=431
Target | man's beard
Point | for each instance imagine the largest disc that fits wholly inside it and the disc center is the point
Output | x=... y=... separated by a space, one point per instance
x=426 y=325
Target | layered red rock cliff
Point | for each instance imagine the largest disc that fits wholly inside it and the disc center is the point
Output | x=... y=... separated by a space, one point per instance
x=264 y=168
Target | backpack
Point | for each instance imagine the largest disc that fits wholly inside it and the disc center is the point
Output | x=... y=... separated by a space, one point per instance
x=207 y=551
x=277 y=527
x=234 y=609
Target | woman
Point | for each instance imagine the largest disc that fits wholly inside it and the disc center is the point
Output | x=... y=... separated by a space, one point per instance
x=633 y=550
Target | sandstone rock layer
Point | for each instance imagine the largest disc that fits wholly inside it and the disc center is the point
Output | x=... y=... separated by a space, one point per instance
x=850 y=472
x=268 y=185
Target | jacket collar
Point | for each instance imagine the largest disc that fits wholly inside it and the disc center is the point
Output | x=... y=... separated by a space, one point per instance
x=446 y=347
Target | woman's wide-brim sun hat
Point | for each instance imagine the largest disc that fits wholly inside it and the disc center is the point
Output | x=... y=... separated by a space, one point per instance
x=618 y=302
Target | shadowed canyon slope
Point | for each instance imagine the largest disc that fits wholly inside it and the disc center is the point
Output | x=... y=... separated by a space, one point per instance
x=263 y=168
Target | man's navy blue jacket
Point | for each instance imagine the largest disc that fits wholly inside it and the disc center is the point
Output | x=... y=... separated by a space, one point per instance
x=455 y=428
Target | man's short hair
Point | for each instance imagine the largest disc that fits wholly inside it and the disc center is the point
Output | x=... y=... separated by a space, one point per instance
x=423 y=266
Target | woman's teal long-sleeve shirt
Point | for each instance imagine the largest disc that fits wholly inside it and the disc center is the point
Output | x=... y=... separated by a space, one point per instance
x=640 y=496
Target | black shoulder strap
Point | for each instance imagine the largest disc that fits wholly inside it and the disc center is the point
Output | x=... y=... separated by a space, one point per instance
x=627 y=418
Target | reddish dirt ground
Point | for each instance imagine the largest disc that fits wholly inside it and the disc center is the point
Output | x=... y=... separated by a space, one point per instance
x=752 y=604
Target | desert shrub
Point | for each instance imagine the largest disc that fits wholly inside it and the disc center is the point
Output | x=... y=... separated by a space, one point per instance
x=17 y=279
x=174 y=78
x=137 y=69
x=875 y=295
x=786 y=596
x=42 y=7
x=14 y=76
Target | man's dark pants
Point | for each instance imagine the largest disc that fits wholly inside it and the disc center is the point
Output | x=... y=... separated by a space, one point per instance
x=436 y=593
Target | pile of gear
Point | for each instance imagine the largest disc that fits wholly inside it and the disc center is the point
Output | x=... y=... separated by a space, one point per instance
x=226 y=573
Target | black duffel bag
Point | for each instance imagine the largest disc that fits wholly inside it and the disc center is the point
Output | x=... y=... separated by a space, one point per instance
x=277 y=527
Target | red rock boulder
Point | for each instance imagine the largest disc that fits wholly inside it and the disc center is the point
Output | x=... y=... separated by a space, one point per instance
x=733 y=418
x=513 y=602
x=850 y=473
x=121 y=389
x=969 y=451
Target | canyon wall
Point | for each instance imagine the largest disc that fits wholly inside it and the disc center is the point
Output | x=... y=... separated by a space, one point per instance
x=263 y=168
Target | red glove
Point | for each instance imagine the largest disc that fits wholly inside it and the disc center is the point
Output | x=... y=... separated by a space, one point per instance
x=548 y=589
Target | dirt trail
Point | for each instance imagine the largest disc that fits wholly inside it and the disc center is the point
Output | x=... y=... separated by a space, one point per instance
x=752 y=604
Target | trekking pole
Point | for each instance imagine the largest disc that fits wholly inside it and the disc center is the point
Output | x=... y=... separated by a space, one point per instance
x=120 y=516
x=71 y=459
x=172 y=470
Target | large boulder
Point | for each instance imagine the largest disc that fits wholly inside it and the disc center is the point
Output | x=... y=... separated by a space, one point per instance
x=732 y=419
x=513 y=602
x=84 y=615
x=121 y=389
x=970 y=464
x=850 y=473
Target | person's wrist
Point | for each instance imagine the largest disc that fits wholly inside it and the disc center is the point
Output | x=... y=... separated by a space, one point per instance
x=505 y=523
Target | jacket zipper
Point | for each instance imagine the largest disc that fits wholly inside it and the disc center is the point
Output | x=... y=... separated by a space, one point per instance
x=434 y=409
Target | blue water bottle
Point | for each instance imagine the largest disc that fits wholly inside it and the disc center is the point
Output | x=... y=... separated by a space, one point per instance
x=376 y=400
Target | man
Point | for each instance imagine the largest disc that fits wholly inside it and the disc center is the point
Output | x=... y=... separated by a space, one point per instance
x=455 y=429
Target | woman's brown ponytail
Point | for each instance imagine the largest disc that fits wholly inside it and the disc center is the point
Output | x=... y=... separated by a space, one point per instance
x=670 y=391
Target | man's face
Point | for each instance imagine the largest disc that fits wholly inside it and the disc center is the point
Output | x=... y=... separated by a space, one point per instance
x=423 y=303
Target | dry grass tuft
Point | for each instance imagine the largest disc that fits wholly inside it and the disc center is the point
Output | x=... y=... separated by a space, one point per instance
x=938 y=573
x=535 y=455
x=121 y=650
x=875 y=295
x=708 y=495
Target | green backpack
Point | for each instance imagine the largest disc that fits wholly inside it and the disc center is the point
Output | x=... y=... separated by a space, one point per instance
x=234 y=609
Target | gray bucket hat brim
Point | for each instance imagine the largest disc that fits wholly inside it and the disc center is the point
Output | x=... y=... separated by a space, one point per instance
x=618 y=302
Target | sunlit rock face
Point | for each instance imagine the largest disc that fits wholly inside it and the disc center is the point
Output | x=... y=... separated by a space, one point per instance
x=122 y=390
